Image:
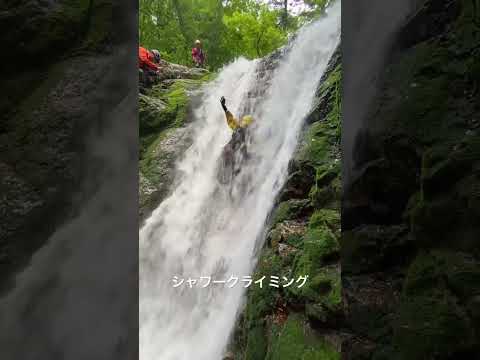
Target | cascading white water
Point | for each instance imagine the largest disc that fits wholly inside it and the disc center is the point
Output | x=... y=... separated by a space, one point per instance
x=206 y=230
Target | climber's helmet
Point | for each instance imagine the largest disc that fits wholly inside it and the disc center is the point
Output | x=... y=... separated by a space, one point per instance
x=198 y=43
x=156 y=55
x=246 y=120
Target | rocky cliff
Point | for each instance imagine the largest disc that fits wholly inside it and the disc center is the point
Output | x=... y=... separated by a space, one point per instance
x=410 y=251
x=58 y=57
x=164 y=113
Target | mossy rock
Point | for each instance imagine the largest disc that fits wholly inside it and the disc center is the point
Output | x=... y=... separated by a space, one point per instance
x=291 y=210
x=157 y=166
x=318 y=143
x=295 y=340
x=152 y=117
x=320 y=246
x=453 y=214
x=325 y=304
x=256 y=347
x=326 y=218
x=323 y=282
x=287 y=232
x=374 y=247
x=300 y=180
x=443 y=271
x=261 y=303
x=327 y=103
x=164 y=108
x=432 y=327
x=445 y=165
x=326 y=173
x=162 y=114
x=432 y=322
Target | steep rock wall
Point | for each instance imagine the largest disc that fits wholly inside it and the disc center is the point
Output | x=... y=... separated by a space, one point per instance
x=410 y=255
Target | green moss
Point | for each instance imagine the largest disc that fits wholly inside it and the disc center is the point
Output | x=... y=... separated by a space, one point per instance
x=326 y=173
x=334 y=83
x=319 y=140
x=442 y=270
x=295 y=240
x=256 y=348
x=291 y=209
x=333 y=79
x=262 y=300
x=163 y=109
x=446 y=164
x=429 y=327
x=327 y=290
x=260 y=303
x=320 y=245
x=296 y=341
x=326 y=218
x=431 y=319
x=430 y=86
x=176 y=99
x=321 y=146
x=209 y=77
x=447 y=215
x=152 y=159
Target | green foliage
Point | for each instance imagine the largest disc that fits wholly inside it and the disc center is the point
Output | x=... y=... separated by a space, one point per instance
x=227 y=29
x=252 y=34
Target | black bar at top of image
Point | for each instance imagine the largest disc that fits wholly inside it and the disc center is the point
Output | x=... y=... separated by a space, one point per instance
x=68 y=169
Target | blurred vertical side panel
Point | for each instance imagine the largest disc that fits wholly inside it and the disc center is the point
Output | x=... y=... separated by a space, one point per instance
x=68 y=180
x=411 y=153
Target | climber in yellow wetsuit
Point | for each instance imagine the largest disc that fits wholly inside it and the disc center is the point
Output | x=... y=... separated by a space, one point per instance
x=237 y=143
x=232 y=122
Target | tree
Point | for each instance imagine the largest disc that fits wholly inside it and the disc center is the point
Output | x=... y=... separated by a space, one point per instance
x=227 y=28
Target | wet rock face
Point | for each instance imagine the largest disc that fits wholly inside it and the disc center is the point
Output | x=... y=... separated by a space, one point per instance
x=171 y=71
x=164 y=115
x=57 y=61
x=411 y=214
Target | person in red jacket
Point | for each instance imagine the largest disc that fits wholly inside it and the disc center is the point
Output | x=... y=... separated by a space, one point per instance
x=198 y=56
x=148 y=63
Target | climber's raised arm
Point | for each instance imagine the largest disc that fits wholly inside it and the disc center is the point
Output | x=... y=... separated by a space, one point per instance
x=231 y=121
x=222 y=102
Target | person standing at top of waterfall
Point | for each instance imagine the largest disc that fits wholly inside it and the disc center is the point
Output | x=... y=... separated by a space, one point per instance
x=198 y=55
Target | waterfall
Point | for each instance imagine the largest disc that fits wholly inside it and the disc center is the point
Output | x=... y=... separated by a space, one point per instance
x=205 y=229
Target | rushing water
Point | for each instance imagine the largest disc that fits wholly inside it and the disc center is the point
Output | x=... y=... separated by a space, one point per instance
x=205 y=229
